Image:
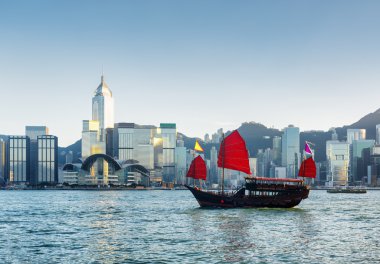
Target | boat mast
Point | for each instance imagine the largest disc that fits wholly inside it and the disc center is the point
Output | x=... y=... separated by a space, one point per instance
x=223 y=164
x=194 y=168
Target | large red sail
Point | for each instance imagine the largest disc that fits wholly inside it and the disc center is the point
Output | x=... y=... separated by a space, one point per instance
x=308 y=168
x=233 y=153
x=197 y=169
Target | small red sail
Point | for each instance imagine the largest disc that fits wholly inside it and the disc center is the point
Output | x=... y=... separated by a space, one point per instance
x=308 y=168
x=233 y=153
x=197 y=169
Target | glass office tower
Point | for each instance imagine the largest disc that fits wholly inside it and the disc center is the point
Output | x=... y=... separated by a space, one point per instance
x=90 y=138
x=169 y=138
x=2 y=159
x=377 y=134
x=18 y=169
x=356 y=158
x=47 y=159
x=338 y=158
x=124 y=141
x=291 y=150
x=34 y=131
x=355 y=134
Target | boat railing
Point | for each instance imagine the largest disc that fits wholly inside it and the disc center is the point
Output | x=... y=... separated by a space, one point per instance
x=274 y=180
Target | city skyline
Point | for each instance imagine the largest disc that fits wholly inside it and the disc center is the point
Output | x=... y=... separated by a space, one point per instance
x=201 y=65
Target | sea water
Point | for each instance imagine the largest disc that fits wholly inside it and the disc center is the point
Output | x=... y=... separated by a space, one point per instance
x=169 y=227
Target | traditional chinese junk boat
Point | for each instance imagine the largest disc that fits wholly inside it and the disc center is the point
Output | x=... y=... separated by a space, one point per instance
x=257 y=191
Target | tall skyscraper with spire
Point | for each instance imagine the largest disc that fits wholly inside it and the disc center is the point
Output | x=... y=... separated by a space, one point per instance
x=94 y=131
x=103 y=108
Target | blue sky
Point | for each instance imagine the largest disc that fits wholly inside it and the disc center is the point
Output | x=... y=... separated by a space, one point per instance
x=200 y=64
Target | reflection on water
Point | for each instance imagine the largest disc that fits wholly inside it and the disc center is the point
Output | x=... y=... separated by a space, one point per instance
x=168 y=226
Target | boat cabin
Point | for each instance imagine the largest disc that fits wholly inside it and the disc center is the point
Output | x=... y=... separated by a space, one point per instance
x=262 y=186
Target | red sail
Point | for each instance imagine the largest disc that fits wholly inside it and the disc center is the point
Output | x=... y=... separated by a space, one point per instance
x=233 y=153
x=308 y=168
x=197 y=169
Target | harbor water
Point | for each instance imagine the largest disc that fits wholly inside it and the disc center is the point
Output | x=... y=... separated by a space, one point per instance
x=169 y=227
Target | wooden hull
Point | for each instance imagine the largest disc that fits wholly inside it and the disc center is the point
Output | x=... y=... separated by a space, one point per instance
x=283 y=198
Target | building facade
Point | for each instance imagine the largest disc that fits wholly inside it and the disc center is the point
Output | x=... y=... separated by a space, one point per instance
x=291 y=150
x=34 y=131
x=378 y=134
x=2 y=160
x=169 y=137
x=358 y=168
x=18 y=160
x=214 y=165
x=338 y=159
x=103 y=108
x=180 y=162
x=276 y=147
x=47 y=159
x=90 y=138
x=355 y=134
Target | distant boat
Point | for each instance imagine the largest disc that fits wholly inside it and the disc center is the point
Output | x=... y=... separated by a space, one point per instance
x=347 y=190
x=257 y=191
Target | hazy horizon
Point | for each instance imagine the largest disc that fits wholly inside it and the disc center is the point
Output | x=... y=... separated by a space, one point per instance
x=203 y=65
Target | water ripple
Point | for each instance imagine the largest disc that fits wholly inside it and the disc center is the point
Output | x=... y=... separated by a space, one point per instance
x=169 y=227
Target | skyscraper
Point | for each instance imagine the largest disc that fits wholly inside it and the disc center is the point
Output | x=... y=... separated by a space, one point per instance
x=377 y=134
x=103 y=108
x=180 y=162
x=355 y=134
x=358 y=146
x=47 y=159
x=34 y=131
x=291 y=150
x=169 y=138
x=17 y=161
x=213 y=165
x=207 y=138
x=277 y=150
x=134 y=142
x=90 y=138
x=338 y=158
x=253 y=166
x=2 y=159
